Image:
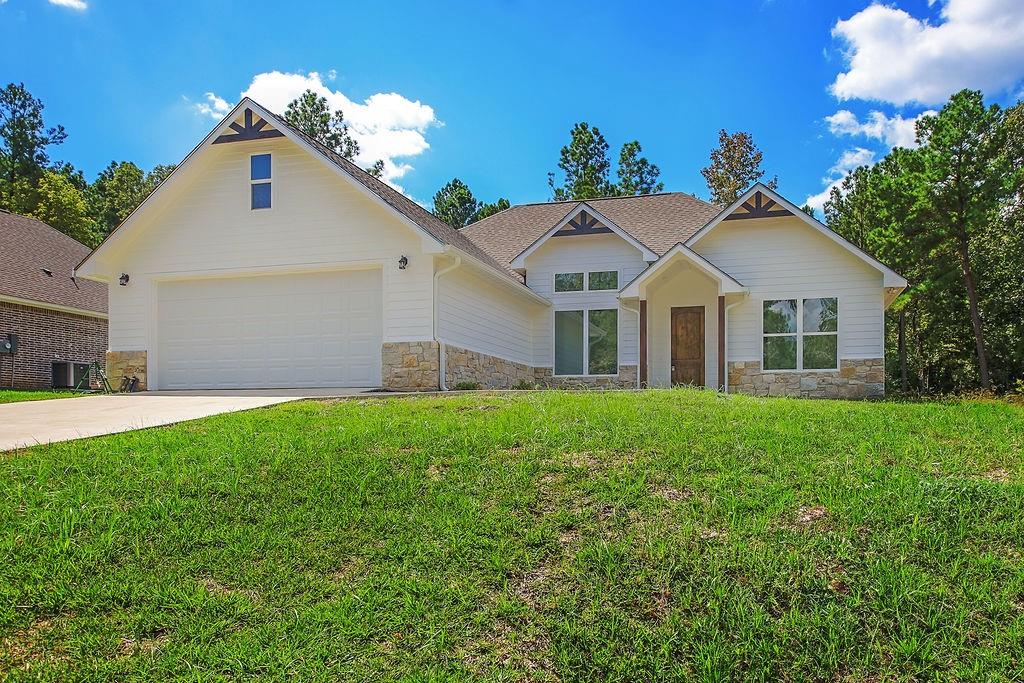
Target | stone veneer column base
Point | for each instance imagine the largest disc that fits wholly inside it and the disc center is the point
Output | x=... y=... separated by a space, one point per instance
x=491 y=372
x=410 y=366
x=126 y=364
x=856 y=378
x=626 y=379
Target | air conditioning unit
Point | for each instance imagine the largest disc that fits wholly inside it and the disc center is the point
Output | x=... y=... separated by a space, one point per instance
x=68 y=374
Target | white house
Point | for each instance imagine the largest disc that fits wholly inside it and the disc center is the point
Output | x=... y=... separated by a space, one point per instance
x=266 y=260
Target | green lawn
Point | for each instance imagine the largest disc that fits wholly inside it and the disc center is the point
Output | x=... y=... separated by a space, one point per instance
x=15 y=395
x=665 y=535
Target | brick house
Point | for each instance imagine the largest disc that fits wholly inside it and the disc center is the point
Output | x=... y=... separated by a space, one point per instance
x=55 y=316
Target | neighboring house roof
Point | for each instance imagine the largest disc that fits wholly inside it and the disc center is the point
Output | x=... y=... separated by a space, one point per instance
x=29 y=249
x=659 y=221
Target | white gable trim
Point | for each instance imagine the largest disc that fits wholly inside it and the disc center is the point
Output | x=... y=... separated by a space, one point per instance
x=431 y=243
x=890 y=278
x=519 y=262
x=727 y=284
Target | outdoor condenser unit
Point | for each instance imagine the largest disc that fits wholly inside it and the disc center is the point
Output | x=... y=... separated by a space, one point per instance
x=67 y=374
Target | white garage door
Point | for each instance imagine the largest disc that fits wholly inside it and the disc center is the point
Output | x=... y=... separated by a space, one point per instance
x=312 y=330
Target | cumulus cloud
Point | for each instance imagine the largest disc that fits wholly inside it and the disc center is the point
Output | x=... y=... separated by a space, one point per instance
x=387 y=126
x=894 y=57
x=79 y=5
x=214 y=107
x=894 y=131
x=848 y=161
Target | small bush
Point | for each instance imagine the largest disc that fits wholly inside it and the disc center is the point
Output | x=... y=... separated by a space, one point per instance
x=523 y=385
x=466 y=386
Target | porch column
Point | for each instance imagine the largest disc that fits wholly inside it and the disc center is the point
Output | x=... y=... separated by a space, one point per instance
x=643 y=343
x=721 y=343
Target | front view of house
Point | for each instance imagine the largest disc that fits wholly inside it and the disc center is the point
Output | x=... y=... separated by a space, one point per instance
x=268 y=261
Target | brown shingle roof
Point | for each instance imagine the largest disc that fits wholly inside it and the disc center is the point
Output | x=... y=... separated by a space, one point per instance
x=659 y=221
x=407 y=207
x=28 y=248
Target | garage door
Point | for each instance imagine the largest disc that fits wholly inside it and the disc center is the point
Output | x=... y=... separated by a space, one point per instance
x=312 y=330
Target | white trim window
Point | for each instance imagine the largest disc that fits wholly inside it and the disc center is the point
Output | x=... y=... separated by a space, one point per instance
x=800 y=334
x=586 y=281
x=586 y=338
x=259 y=182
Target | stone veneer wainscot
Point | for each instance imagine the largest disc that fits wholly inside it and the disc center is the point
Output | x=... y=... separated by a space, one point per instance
x=856 y=378
x=410 y=366
x=126 y=364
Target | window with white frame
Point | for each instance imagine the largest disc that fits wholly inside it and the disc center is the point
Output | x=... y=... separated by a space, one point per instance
x=591 y=281
x=801 y=334
x=587 y=342
x=259 y=181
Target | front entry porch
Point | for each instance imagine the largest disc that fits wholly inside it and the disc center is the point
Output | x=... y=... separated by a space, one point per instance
x=682 y=300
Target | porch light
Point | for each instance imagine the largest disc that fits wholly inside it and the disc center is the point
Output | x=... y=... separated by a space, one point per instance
x=402 y=262
x=123 y=280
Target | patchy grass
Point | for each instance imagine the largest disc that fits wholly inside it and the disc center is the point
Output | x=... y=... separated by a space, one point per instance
x=16 y=395
x=665 y=535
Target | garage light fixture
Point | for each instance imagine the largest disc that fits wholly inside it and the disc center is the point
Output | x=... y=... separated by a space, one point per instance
x=403 y=262
x=123 y=280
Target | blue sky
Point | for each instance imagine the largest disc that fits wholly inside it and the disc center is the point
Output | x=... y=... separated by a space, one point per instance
x=488 y=91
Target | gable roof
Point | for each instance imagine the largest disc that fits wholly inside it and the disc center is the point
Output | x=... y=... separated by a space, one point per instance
x=28 y=248
x=727 y=284
x=658 y=221
x=890 y=278
x=592 y=217
x=412 y=213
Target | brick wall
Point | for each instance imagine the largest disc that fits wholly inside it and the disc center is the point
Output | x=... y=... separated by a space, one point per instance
x=45 y=336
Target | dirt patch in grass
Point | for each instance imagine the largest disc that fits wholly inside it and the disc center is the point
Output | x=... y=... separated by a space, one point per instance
x=708 y=534
x=146 y=646
x=504 y=646
x=529 y=586
x=672 y=495
x=436 y=472
x=808 y=516
x=214 y=587
x=999 y=475
x=26 y=647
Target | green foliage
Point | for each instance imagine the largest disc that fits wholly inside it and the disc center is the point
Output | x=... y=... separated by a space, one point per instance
x=312 y=115
x=24 y=139
x=64 y=207
x=586 y=168
x=455 y=204
x=576 y=536
x=489 y=209
x=377 y=170
x=947 y=216
x=735 y=166
x=466 y=386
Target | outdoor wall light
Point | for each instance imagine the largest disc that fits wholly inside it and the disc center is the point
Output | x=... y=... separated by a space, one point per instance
x=403 y=262
x=123 y=280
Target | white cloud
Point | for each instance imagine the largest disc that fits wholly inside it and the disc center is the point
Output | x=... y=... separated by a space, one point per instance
x=848 y=160
x=894 y=131
x=895 y=57
x=214 y=107
x=387 y=126
x=79 y=5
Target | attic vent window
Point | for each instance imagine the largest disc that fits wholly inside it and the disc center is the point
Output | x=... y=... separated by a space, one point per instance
x=259 y=181
x=47 y=272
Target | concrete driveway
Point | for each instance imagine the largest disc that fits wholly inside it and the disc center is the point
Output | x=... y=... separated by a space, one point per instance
x=29 y=423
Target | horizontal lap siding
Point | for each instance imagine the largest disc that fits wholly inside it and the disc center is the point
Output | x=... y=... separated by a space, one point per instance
x=318 y=220
x=784 y=257
x=583 y=254
x=475 y=314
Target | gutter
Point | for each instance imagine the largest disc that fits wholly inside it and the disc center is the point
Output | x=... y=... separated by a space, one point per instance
x=637 y=311
x=441 y=383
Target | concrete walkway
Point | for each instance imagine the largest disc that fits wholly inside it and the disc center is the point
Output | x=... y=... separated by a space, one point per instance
x=29 y=423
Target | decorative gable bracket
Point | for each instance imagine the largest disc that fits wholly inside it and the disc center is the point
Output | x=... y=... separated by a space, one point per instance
x=583 y=224
x=757 y=207
x=252 y=130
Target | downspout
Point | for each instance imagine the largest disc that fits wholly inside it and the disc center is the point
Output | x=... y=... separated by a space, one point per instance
x=725 y=380
x=441 y=384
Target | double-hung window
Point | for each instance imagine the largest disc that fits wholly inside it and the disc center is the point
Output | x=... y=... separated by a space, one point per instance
x=259 y=181
x=587 y=342
x=801 y=334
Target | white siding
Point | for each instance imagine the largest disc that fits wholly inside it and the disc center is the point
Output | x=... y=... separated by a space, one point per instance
x=203 y=225
x=785 y=258
x=476 y=314
x=583 y=254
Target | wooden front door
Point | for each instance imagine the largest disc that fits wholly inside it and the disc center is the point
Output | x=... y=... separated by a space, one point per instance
x=688 y=345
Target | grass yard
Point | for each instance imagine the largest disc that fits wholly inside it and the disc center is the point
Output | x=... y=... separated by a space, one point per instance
x=15 y=395
x=665 y=535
